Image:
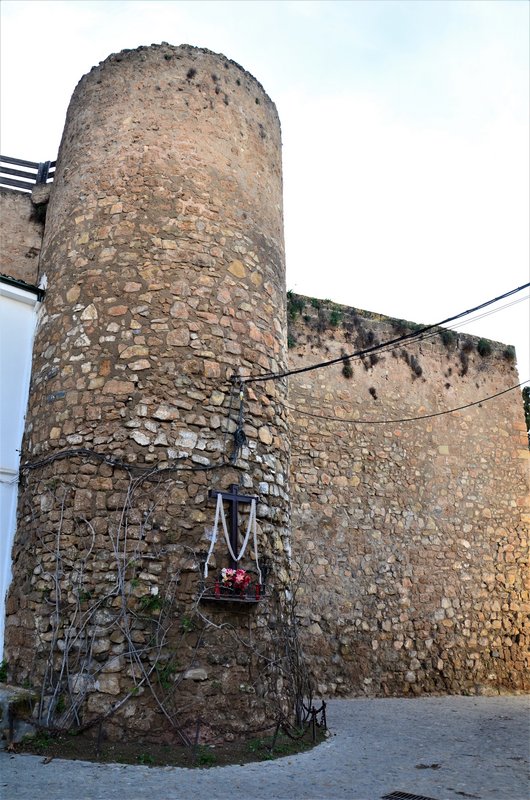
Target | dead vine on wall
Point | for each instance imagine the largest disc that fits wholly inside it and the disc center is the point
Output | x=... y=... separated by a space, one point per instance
x=118 y=616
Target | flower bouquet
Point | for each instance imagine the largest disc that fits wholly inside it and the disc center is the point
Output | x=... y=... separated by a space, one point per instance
x=234 y=584
x=237 y=579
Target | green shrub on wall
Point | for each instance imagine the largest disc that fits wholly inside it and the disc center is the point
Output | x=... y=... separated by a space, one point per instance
x=484 y=347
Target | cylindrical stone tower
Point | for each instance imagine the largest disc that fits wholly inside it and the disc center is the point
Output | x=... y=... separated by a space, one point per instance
x=164 y=260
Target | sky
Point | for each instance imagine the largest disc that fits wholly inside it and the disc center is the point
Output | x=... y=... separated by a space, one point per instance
x=405 y=130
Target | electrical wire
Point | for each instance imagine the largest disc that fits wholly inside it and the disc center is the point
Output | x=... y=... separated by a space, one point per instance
x=406 y=337
x=487 y=313
x=240 y=438
x=347 y=420
x=150 y=472
x=88 y=453
x=388 y=349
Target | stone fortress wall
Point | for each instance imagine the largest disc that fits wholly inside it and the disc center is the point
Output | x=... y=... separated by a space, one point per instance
x=163 y=255
x=20 y=237
x=413 y=535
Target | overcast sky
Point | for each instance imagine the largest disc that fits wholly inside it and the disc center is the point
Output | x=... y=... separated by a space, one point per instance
x=405 y=131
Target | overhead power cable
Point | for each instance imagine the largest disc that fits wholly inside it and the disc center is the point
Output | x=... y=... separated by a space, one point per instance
x=365 y=351
x=351 y=421
x=388 y=348
x=488 y=313
x=470 y=321
x=138 y=469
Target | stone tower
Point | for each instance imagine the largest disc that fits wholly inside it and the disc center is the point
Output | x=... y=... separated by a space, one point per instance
x=164 y=261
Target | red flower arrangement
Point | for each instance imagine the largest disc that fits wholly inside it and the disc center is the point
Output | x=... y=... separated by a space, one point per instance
x=235 y=578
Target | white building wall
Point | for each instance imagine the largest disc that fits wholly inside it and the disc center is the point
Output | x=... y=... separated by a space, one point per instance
x=18 y=316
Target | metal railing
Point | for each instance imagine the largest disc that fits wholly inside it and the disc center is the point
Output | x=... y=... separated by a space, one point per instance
x=24 y=175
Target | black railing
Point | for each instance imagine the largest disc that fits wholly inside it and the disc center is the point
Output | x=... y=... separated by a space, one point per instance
x=24 y=175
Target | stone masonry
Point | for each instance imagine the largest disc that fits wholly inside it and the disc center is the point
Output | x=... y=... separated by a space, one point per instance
x=163 y=259
x=20 y=237
x=414 y=534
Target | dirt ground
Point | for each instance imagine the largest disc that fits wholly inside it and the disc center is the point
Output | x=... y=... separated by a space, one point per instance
x=87 y=747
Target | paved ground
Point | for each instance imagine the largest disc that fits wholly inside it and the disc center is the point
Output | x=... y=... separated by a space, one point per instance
x=446 y=748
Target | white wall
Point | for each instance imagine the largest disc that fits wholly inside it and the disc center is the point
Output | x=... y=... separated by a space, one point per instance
x=18 y=316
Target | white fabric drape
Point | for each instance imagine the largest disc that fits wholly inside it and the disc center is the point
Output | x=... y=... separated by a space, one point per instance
x=251 y=528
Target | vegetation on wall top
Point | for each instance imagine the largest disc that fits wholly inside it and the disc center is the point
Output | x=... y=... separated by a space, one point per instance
x=526 y=404
x=320 y=316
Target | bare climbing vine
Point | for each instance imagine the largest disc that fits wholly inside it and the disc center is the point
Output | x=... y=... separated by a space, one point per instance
x=101 y=616
x=119 y=616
